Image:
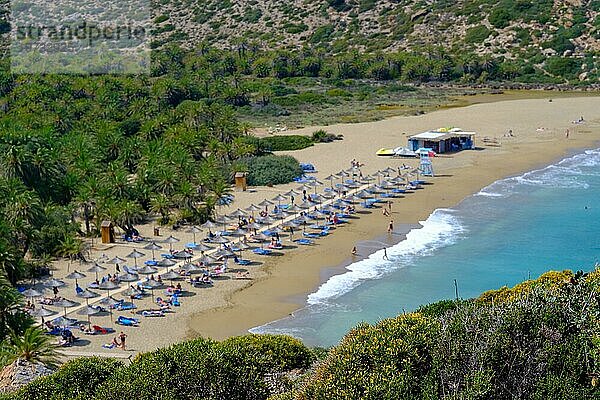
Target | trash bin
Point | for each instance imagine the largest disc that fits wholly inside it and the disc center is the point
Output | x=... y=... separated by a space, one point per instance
x=156 y=231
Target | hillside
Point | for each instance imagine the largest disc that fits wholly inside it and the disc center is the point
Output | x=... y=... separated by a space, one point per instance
x=498 y=27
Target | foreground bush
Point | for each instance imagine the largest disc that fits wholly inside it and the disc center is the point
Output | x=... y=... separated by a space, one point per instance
x=272 y=170
x=77 y=379
x=539 y=340
x=205 y=369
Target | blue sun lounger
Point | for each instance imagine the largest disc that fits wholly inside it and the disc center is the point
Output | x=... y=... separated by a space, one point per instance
x=243 y=262
x=262 y=252
x=127 y=321
x=175 y=300
x=304 y=242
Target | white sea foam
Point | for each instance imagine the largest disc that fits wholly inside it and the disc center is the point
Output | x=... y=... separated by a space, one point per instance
x=440 y=229
x=565 y=174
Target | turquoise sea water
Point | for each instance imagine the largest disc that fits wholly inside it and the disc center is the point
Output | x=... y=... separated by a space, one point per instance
x=515 y=228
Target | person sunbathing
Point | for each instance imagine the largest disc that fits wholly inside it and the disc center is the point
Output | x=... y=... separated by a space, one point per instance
x=163 y=304
x=242 y=275
x=86 y=329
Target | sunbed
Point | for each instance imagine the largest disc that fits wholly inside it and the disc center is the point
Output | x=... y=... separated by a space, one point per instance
x=304 y=242
x=262 y=252
x=153 y=313
x=127 y=321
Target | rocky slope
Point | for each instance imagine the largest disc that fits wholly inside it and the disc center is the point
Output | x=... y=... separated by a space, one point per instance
x=513 y=28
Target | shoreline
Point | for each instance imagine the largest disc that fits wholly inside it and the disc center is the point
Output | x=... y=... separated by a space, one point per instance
x=280 y=285
x=237 y=318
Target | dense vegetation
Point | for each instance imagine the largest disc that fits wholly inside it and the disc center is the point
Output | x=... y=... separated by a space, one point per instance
x=538 y=340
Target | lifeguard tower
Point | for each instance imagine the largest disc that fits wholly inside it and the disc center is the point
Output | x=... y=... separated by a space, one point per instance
x=426 y=166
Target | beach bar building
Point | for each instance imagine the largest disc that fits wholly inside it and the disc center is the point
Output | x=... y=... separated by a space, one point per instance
x=443 y=140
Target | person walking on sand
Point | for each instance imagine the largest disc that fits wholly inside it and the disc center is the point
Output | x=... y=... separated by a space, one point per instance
x=122 y=337
x=354 y=251
x=386 y=212
x=567 y=133
x=391 y=226
x=385 y=256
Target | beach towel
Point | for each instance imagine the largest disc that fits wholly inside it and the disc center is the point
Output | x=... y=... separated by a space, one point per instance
x=109 y=345
x=175 y=300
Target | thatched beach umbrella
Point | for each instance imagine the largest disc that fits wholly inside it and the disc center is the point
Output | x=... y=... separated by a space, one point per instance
x=63 y=321
x=219 y=240
x=194 y=230
x=110 y=303
x=153 y=285
x=135 y=255
x=199 y=247
x=171 y=240
x=266 y=203
x=238 y=214
x=87 y=295
x=54 y=283
x=31 y=293
x=152 y=246
x=88 y=312
x=108 y=286
x=75 y=275
x=147 y=270
x=65 y=303
x=129 y=277
x=166 y=263
x=42 y=312
x=116 y=260
x=206 y=259
x=170 y=276
x=190 y=268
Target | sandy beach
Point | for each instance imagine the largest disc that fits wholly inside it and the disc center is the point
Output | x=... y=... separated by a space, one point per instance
x=279 y=285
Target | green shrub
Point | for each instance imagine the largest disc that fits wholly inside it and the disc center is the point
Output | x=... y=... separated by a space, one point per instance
x=322 y=136
x=285 y=142
x=374 y=362
x=77 y=379
x=500 y=17
x=561 y=66
x=477 y=34
x=272 y=170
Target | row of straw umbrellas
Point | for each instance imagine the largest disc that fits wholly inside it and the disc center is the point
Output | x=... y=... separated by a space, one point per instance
x=132 y=274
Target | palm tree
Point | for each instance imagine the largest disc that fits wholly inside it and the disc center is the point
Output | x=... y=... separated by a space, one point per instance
x=71 y=248
x=161 y=204
x=33 y=346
